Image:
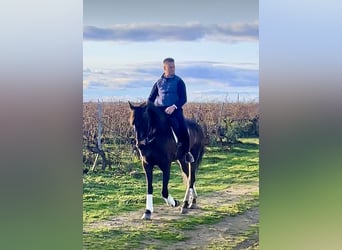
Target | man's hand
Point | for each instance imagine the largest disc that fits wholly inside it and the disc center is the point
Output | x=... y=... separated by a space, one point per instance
x=169 y=110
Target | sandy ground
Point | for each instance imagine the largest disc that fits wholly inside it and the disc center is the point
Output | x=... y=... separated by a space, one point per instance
x=229 y=228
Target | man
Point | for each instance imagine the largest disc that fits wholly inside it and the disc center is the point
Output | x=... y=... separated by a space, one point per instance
x=169 y=93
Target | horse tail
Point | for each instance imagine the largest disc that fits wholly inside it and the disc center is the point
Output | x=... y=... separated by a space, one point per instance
x=200 y=156
x=199 y=141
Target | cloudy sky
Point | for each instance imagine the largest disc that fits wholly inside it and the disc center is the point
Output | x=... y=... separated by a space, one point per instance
x=215 y=46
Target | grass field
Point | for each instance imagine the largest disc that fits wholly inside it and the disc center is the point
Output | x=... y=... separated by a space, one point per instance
x=109 y=196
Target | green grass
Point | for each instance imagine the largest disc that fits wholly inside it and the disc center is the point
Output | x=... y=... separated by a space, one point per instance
x=167 y=233
x=107 y=194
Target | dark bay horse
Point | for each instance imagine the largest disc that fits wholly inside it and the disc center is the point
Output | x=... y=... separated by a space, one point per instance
x=158 y=147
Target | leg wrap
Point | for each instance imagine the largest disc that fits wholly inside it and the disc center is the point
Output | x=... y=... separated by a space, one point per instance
x=191 y=194
x=149 y=202
x=170 y=201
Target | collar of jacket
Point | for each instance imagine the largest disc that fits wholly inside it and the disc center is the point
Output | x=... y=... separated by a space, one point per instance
x=170 y=77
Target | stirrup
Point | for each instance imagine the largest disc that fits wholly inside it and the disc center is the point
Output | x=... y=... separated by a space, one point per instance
x=189 y=157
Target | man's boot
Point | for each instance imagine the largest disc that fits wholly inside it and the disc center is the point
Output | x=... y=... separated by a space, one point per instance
x=189 y=157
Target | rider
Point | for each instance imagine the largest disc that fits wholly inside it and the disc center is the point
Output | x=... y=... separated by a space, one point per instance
x=169 y=93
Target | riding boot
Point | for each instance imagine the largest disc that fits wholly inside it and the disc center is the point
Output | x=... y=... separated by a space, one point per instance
x=189 y=158
x=182 y=152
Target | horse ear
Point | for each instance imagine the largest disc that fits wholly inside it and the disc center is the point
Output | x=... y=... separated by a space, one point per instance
x=142 y=105
x=130 y=105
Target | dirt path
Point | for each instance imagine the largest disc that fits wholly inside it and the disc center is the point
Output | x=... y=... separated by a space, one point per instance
x=228 y=229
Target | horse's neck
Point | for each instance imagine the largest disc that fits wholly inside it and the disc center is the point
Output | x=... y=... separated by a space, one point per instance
x=161 y=125
x=163 y=130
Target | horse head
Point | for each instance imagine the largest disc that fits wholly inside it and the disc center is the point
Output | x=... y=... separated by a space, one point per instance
x=147 y=120
x=140 y=121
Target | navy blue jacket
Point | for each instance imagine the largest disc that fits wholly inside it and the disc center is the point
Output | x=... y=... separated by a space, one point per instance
x=168 y=91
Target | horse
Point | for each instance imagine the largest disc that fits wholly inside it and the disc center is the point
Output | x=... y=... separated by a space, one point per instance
x=157 y=145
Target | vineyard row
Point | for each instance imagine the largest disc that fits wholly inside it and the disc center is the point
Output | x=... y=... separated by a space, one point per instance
x=222 y=123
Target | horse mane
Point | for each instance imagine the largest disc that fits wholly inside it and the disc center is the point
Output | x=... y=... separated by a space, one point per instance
x=157 y=117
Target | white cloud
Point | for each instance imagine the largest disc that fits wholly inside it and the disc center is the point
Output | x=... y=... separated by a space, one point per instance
x=235 y=32
x=204 y=80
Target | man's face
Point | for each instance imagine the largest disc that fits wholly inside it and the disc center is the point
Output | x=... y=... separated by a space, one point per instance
x=169 y=68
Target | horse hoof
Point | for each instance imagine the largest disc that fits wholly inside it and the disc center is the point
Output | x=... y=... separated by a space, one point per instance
x=185 y=204
x=183 y=210
x=146 y=215
x=177 y=203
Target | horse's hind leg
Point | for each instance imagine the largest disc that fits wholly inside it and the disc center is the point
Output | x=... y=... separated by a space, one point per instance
x=192 y=178
x=185 y=205
x=187 y=177
x=192 y=189
x=192 y=197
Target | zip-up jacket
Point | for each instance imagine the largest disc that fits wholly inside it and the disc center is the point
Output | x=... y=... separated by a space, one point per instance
x=168 y=91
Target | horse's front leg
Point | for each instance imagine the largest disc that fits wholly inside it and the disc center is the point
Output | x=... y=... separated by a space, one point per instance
x=165 y=192
x=149 y=195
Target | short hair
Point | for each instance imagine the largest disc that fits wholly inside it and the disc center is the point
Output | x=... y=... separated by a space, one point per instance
x=169 y=60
